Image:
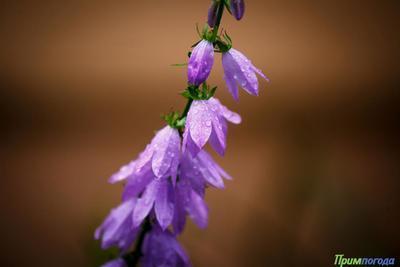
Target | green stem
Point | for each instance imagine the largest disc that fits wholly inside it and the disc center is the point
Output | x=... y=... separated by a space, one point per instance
x=219 y=18
x=187 y=107
x=132 y=259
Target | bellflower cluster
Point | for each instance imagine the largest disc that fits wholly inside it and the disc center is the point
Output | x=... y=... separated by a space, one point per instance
x=167 y=181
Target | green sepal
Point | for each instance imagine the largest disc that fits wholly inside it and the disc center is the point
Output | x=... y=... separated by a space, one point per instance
x=171 y=118
x=227 y=38
x=228 y=6
x=179 y=64
x=196 y=93
x=181 y=123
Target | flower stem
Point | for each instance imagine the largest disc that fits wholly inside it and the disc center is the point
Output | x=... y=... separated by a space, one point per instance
x=187 y=107
x=219 y=18
x=132 y=259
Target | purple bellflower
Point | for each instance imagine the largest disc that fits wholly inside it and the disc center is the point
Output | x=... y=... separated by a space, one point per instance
x=167 y=182
x=206 y=121
x=148 y=176
x=200 y=62
x=239 y=70
x=118 y=229
x=160 y=248
x=237 y=8
x=159 y=159
x=115 y=263
x=195 y=174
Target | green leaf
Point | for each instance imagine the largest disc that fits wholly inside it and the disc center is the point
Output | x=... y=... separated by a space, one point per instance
x=212 y=92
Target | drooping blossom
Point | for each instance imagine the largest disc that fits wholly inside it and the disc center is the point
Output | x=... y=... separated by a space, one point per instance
x=200 y=62
x=150 y=178
x=237 y=8
x=206 y=121
x=118 y=229
x=194 y=175
x=159 y=159
x=115 y=263
x=160 y=248
x=239 y=71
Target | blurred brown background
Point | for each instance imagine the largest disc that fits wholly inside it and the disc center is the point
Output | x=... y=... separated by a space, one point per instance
x=315 y=160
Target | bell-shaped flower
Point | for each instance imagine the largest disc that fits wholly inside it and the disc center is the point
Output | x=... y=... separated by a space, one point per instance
x=239 y=71
x=159 y=159
x=237 y=8
x=160 y=248
x=195 y=174
x=118 y=229
x=149 y=177
x=200 y=62
x=206 y=121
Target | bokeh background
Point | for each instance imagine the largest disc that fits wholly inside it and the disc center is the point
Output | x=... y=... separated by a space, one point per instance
x=315 y=161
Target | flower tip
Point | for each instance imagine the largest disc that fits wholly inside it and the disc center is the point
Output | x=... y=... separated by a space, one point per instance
x=237 y=8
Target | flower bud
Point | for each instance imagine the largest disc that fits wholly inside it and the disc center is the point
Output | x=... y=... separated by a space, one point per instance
x=237 y=8
x=213 y=13
x=200 y=62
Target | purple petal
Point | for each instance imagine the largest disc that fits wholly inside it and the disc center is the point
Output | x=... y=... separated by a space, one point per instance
x=178 y=249
x=182 y=191
x=190 y=174
x=115 y=263
x=198 y=210
x=136 y=184
x=200 y=126
x=232 y=86
x=117 y=228
x=166 y=149
x=209 y=161
x=123 y=173
x=145 y=203
x=144 y=158
x=218 y=138
x=164 y=205
x=208 y=170
x=257 y=70
x=226 y=113
x=188 y=143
